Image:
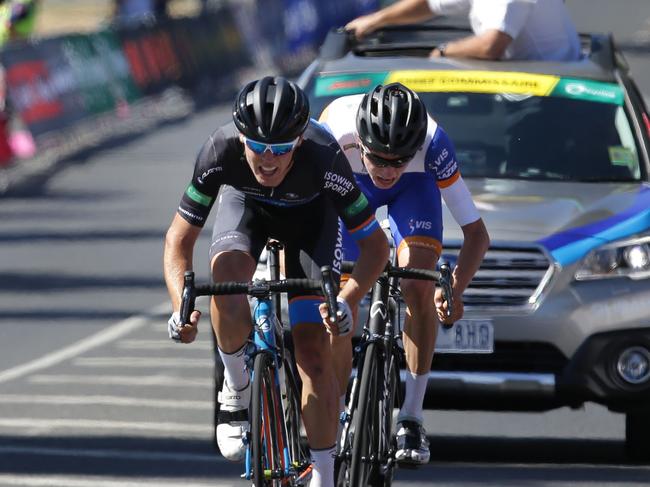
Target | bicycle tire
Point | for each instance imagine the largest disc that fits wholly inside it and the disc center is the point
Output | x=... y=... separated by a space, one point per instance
x=388 y=446
x=298 y=451
x=366 y=436
x=266 y=434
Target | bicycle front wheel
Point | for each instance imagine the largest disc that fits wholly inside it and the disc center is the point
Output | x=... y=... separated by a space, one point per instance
x=266 y=430
x=298 y=451
x=365 y=444
x=391 y=399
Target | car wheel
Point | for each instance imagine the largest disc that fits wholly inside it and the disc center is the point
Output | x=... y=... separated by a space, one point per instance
x=637 y=436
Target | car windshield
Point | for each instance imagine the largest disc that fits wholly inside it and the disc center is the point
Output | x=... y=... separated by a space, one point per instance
x=520 y=136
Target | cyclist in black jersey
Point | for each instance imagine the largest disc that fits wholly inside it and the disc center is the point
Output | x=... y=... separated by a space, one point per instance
x=274 y=173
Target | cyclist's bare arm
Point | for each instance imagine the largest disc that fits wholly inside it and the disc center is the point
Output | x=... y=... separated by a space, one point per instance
x=475 y=244
x=402 y=12
x=491 y=44
x=177 y=258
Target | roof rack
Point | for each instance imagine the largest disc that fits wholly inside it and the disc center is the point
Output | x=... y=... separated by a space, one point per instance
x=420 y=39
x=412 y=39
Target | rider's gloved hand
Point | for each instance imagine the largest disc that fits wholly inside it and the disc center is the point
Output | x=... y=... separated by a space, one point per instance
x=183 y=333
x=345 y=319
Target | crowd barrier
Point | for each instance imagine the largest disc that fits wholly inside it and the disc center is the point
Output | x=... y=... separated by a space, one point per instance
x=71 y=92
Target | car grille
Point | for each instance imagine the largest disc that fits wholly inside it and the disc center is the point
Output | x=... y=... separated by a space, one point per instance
x=508 y=277
x=529 y=357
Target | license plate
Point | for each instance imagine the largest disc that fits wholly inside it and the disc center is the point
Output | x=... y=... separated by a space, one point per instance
x=466 y=336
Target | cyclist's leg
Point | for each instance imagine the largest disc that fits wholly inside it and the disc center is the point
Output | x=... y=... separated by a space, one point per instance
x=234 y=243
x=416 y=224
x=310 y=238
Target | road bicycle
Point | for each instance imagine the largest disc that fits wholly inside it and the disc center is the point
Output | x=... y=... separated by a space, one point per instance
x=275 y=454
x=366 y=449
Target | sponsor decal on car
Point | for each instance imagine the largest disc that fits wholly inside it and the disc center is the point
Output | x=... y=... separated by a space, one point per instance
x=571 y=245
x=348 y=84
x=474 y=82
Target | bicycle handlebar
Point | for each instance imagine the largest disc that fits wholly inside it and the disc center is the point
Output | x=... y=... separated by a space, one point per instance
x=442 y=277
x=259 y=289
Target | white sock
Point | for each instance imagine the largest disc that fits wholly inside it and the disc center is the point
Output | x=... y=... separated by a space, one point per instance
x=323 y=462
x=235 y=371
x=416 y=387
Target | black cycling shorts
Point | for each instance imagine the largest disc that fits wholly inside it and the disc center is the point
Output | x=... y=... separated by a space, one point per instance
x=310 y=233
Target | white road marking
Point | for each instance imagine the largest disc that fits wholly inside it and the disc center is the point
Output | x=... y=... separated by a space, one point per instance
x=130 y=362
x=124 y=380
x=27 y=424
x=163 y=345
x=105 y=336
x=123 y=454
x=75 y=481
x=105 y=400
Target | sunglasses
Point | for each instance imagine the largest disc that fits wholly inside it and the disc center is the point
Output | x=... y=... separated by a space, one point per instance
x=379 y=161
x=276 y=149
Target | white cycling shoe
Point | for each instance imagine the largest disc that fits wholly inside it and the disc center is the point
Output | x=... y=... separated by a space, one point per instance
x=232 y=421
x=412 y=443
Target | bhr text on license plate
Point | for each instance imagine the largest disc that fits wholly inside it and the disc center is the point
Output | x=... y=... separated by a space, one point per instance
x=466 y=336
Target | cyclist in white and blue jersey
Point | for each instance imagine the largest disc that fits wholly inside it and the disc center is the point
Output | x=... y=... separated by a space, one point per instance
x=403 y=159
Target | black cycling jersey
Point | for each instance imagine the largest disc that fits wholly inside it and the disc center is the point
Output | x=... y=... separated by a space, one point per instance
x=319 y=168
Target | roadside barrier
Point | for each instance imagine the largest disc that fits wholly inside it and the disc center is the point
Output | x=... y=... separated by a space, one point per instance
x=69 y=93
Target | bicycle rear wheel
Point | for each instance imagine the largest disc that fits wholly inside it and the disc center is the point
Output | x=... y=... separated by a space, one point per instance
x=266 y=430
x=365 y=451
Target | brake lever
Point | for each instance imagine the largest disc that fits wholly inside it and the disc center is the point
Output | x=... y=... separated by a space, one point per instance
x=188 y=298
x=329 y=291
x=445 y=285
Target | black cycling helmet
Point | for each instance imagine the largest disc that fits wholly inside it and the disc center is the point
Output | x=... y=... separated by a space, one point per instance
x=392 y=119
x=271 y=110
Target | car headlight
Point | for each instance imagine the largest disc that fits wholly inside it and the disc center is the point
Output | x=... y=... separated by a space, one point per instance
x=625 y=258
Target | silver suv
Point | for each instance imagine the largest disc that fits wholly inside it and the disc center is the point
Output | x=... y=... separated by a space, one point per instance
x=557 y=158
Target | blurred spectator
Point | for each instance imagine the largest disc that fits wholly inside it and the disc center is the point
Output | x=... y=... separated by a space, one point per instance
x=17 y=21
x=133 y=11
x=23 y=18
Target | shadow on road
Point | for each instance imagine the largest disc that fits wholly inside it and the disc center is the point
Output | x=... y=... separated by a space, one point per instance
x=537 y=461
x=527 y=450
x=113 y=456
x=46 y=282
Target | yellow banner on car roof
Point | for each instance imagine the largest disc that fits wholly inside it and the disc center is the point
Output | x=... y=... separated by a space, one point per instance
x=476 y=81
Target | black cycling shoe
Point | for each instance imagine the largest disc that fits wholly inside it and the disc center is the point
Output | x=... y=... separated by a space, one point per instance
x=412 y=443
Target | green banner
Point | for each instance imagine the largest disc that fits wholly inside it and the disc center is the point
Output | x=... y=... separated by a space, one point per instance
x=102 y=74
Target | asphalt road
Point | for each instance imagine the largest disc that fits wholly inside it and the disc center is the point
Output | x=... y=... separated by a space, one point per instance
x=92 y=393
